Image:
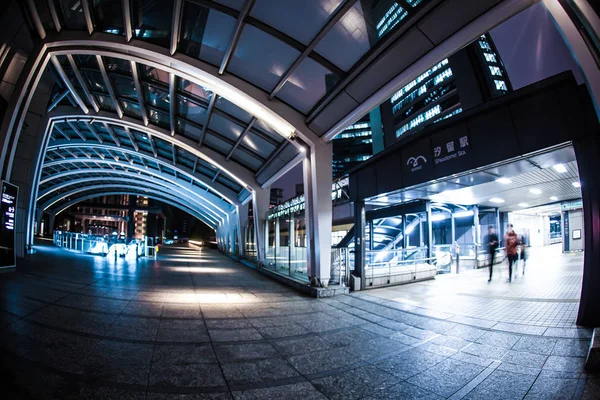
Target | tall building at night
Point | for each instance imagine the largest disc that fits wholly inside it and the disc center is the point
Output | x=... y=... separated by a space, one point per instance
x=471 y=76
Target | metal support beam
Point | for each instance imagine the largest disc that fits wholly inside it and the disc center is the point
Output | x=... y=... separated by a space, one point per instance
x=76 y=130
x=173 y=154
x=209 y=112
x=109 y=86
x=83 y=83
x=59 y=130
x=151 y=141
x=235 y=36
x=58 y=99
x=54 y=16
x=172 y=102
x=333 y=19
x=132 y=139
x=139 y=91
x=35 y=19
x=239 y=140
x=102 y=156
x=87 y=14
x=94 y=132
x=127 y=19
x=273 y=155
x=69 y=84
x=216 y=175
x=112 y=134
x=176 y=25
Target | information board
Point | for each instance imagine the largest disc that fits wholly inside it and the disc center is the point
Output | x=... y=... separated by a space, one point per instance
x=8 y=212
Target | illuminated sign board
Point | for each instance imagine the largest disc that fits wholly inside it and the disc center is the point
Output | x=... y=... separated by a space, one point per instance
x=8 y=212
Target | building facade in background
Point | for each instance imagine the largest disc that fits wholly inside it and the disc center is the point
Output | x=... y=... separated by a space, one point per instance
x=471 y=76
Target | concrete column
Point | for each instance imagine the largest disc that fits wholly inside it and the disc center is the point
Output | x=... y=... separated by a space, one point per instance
x=429 y=231
x=317 y=191
x=292 y=233
x=477 y=230
x=39 y=214
x=242 y=221
x=260 y=207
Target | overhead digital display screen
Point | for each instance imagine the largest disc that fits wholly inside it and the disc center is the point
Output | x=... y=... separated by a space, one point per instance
x=8 y=212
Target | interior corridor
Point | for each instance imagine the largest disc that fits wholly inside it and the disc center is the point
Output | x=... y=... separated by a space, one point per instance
x=197 y=325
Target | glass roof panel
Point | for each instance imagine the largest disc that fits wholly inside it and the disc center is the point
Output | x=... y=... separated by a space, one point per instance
x=258 y=145
x=191 y=111
x=105 y=102
x=152 y=20
x=188 y=130
x=260 y=58
x=285 y=16
x=158 y=118
x=232 y=109
x=72 y=14
x=266 y=129
x=108 y=16
x=119 y=65
x=205 y=33
x=95 y=81
x=235 y=4
x=156 y=98
x=44 y=13
x=225 y=127
x=131 y=109
x=245 y=159
x=195 y=90
x=149 y=73
x=307 y=85
x=217 y=144
x=124 y=87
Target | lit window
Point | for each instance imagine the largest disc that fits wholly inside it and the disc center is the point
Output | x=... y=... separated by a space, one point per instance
x=415 y=82
x=484 y=45
x=394 y=15
x=489 y=57
x=501 y=85
x=419 y=119
x=495 y=71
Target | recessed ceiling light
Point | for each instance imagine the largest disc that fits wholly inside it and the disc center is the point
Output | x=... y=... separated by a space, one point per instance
x=496 y=200
x=553 y=198
x=504 y=181
x=559 y=168
x=535 y=191
x=523 y=205
x=576 y=184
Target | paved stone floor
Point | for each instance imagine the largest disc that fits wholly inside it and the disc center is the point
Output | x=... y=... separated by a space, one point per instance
x=547 y=295
x=197 y=325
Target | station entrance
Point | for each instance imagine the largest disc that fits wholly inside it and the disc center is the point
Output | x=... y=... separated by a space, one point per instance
x=424 y=207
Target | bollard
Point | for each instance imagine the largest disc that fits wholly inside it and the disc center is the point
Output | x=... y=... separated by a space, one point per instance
x=155 y=251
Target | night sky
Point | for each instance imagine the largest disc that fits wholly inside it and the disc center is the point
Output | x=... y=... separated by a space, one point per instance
x=531 y=48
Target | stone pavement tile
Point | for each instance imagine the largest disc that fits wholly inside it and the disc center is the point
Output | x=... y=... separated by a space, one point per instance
x=257 y=371
x=420 y=334
x=502 y=385
x=266 y=322
x=187 y=396
x=354 y=384
x=374 y=348
x=571 y=333
x=571 y=347
x=519 y=369
x=181 y=310
x=181 y=335
x=379 y=330
x=552 y=388
x=436 y=326
x=274 y=332
x=405 y=339
x=485 y=351
x=405 y=391
x=562 y=363
x=296 y=391
x=437 y=349
x=519 y=328
x=397 y=326
x=477 y=322
x=449 y=341
x=409 y=363
x=132 y=333
x=184 y=354
x=186 y=375
x=234 y=323
x=465 y=332
x=324 y=325
x=322 y=361
x=525 y=359
x=551 y=373
x=447 y=377
x=472 y=359
x=303 y=345
x=535 y=345
x=101 y=393
x=247 y=351
x=186 y=324
x=499 y=339
x=234 y=335
x=346 y=337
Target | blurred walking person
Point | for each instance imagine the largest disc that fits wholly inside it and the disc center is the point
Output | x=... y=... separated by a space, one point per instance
x=512 y=240
x=492 y=243
x=524 y=241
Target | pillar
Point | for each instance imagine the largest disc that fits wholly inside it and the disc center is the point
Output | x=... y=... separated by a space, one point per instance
x=317 y=171
x=51 y=218
x=39 y=215
x=429 y=231
x=277 y=238
x=260 y=207
x=359 y=240
x=242 y=221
